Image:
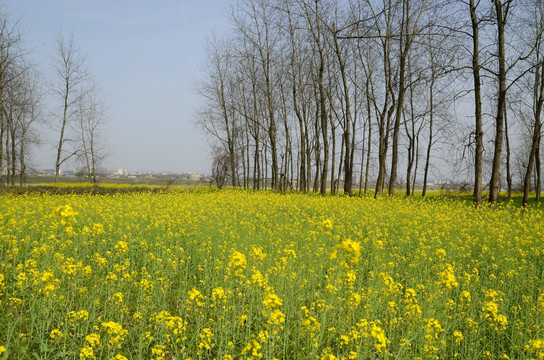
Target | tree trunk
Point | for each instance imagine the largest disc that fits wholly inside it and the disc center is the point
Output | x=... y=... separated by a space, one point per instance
x=302 y=170
x=324 y=128
x=431 y=121
x=348 y=157
x=538 y=187
x=317 y=150
x=22 y=162
x=382 y=155
x=369 y=147
x=478 y=131
x=499 y=119
x=508 y=170
x=532 y=155
x=62 y=129
x=247 y=160
x=2 y=131
x=362 y=159
x=83 y=140
x=333 y=156
x=265 y=180
x=342 y=161
x=416 y=155
x=535 y=140
x=13 y=156
x=407 y=36
x=396 y=128
x=386 y=113
x=410 y=134
x=308 y=154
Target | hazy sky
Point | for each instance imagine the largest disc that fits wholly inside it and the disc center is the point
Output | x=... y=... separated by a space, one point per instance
x=146 y=56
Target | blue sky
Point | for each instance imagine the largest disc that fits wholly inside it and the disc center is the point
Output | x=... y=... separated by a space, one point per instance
x=146 y=56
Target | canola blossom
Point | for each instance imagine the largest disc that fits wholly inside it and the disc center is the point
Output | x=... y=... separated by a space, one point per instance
x=234 y=274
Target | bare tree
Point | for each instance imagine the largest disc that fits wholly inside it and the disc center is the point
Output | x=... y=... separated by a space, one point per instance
x=537 y=85
x=303 y=74
x=220 y=167
x=26 y=112
x=69 y=87
x=11 y=56
x=409 y=29
x=91 y=119
x=254 y=22
x=349 y=122
x=504 y=11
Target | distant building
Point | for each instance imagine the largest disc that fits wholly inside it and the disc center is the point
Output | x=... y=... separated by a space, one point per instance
x=115 y=172
x=194 y=176
x=49 y=172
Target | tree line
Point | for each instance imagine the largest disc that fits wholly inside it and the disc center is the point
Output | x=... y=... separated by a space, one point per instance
x=66 y=100
x=325 y=95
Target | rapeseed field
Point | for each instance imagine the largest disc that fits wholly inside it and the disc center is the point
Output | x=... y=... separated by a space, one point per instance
x=260 y=275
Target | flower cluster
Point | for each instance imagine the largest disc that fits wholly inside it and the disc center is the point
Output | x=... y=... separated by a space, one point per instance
x=210 y=274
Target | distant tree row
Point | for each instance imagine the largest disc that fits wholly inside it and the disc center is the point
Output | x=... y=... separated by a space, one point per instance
x=67 y=100
x=319 y=95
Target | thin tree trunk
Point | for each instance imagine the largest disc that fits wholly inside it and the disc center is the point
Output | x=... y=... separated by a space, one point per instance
x=429 y=146
x=302 y=170
x=362 y=160
x=387 y=111
x=256 y=166
x=324 y=129
x=382 y=155
x=369 y=110
x=538 y=187
x=317 y=150
x=333 y=157
x=13 y=155
x=342 y=161
x=93 y=157
x=22 y=162
x=533 y=154
x=62 y=129
x=410 y=154
x=416 y=155
x=407 y=36
x=352 y=151
x=83 y=141
x=535 y=140
x=308 y=156
x=2 y=129
x=243 y=161
x=302 y=185
x=431 y=122
x=248 y=159
x=508 y=170
x=265 y=169
x=348 y=168
x=410 y=135
x=8 y=148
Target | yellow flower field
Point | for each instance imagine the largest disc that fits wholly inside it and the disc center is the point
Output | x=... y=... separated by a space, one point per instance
x=258 y=275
